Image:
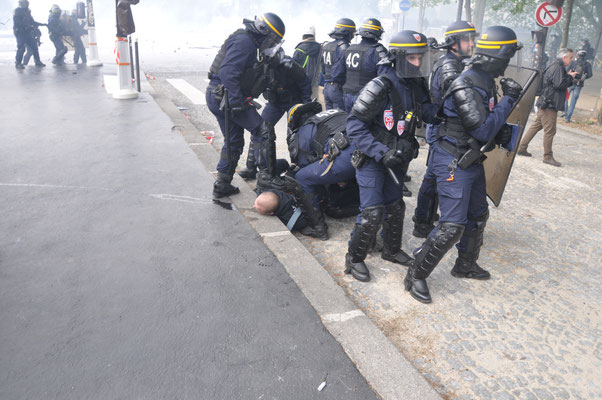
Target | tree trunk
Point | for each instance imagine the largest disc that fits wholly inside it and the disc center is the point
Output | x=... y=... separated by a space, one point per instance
x=598 y=41
x=421 y=11
x=467 y=11
x=479 y=14
x=566 y=23
x=459 y=13
x=596 y=115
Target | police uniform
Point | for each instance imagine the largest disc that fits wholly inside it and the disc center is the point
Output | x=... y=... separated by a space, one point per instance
x=241 y=68
x=333 y=74
x=361 y=61
x=322 y=153
x=381 y=126
x=445 y=70
x=289 y=86
x=57 y=31
x=24 y=28
x=473 y=117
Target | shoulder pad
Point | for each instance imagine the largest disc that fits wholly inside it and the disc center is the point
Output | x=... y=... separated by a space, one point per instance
x=468 y=102
x=372 y=98
x=449 y=70
x=381 y=51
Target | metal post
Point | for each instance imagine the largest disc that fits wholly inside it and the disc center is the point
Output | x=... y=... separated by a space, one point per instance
x=459 y=14
x=541 y=50
x=93 y=60
x=403 y=23
x=137 y=65
x=131 y=56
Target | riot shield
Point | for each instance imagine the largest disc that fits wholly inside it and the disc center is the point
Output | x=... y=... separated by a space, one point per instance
x=499 y=161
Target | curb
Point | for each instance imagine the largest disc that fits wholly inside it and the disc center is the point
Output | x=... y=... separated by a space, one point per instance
x=385 y=369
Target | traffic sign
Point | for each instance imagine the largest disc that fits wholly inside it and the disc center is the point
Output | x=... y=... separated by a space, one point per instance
x=404 y=5
x=547 y=14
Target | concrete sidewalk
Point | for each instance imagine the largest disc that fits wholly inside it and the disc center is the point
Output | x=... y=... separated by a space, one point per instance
x=121 y=278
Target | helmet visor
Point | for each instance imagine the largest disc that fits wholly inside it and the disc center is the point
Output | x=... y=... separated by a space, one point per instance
x=413 y=65
x=271 y=48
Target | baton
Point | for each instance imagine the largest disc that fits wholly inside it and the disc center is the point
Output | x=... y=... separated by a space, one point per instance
x=225 y=107
x=393 y=176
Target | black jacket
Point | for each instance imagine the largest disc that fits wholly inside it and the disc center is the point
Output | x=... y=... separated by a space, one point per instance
x=555 y=82
x=584 y=71
x=23 y=22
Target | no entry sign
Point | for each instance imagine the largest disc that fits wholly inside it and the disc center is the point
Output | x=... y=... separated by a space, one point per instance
x=547 y=14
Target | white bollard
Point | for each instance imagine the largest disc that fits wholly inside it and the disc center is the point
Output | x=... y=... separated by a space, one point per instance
x=124 y=73
x=93 y=60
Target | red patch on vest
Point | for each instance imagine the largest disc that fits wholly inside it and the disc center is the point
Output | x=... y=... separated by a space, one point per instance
x=401 y=127
x=491 y=104
x=388 y=119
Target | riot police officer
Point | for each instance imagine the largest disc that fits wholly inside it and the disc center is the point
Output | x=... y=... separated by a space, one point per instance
x=57 y=30
x=321 y=154
x=473 y=118
x=361 y=60
x=459 y=43
x=240 y=70
x=333 y=75
x=24 y=28
x=288 y=85
x=382 y=125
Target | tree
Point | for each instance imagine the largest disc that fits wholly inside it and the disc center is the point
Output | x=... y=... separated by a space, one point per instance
x=567 y=10
x=479 y=14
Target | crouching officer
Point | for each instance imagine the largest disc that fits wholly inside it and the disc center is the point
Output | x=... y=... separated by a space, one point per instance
x=240 y=71
x=473 y=118
x=25 y=28
x=288 y=85
x=382 y=126
x=333 y=74
x=459 y=43
x=57 y=30
x=321 y=153
x=361 y=60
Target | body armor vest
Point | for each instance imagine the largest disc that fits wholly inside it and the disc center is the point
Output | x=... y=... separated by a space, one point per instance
x=357 y=76
x=253 y=80
x=329 y=57
x=328 y=123
x=452 y=127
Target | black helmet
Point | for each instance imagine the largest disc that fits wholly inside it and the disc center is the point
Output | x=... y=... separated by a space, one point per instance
x=269 y=30
x=371 y=28
x=494 y=49
x=23 y=3
x=343 y=29
x=299 y=113
x=55 y=10
x=581 y=54
x=457 y=31
x=498 y=42
x=404 y=44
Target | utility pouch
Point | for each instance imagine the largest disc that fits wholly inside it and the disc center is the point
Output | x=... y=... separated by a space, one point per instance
x=340 y=140
x=219 y=92
x=357 y=159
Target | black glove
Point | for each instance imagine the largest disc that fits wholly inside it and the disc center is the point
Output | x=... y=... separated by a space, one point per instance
x=393 y=158
x=504 y=136
x=511 y=88
x=240 y=105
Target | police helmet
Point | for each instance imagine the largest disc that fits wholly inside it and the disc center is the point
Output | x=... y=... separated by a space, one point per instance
x=409 y=52
x=23 y=3
x=55 y=9
x=343 y=29
x=581 y=54
x=371 y=28
x=494 y=49
x=269 y=29
x=457 y=31
x=299 y=113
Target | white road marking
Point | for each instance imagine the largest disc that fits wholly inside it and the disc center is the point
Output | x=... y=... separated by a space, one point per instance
x=174 y=197
x=193 y=94
x=342 y=317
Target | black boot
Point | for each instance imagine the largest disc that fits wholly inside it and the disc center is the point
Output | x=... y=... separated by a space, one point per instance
x=267 y=178
x=466 y=264
x=406 y=191
x=222 y=186
x=361 y=239
x=432 y=251
x=392 y=232
x=313 y=215
x=249 y=172
x=19 y=66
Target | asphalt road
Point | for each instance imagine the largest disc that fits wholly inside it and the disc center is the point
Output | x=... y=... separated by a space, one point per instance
x=119 y=278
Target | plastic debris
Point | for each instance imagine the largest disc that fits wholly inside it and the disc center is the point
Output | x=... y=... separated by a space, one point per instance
x=322 y=386
x=182 y=108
